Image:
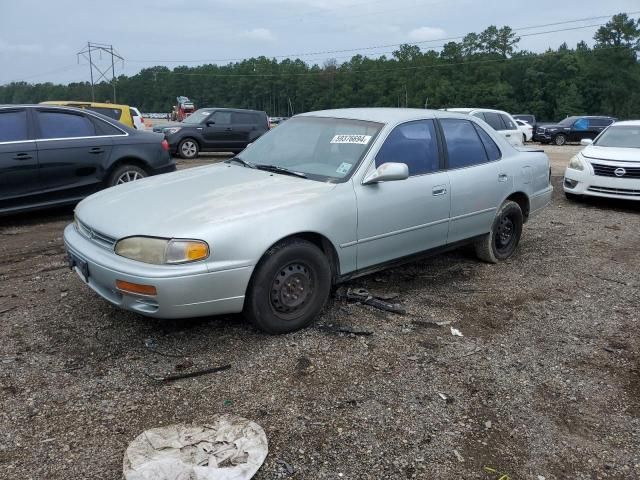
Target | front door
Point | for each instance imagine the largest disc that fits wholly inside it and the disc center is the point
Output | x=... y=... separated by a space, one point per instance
x=400 y=218
x=71 y=156
x=218 y=131
x=18 y=159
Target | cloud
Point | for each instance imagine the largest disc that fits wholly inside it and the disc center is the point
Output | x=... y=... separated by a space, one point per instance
x=424 y=34
x=7 y=47
x=259 y=35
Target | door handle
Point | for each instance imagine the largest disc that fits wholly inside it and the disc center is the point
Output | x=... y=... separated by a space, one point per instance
x=508 y=135
x=22 y=156
x=96 y=150
x=439 y=190
x=228 y=129
x=503 y=177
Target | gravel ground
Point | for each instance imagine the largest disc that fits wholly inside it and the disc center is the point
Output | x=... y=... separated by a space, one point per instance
x=545 y=381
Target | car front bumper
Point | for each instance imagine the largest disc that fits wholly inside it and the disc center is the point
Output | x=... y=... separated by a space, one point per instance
x=585 y=182
x=183 y=291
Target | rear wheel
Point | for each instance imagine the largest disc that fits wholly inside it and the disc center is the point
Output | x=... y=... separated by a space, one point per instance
x=524 y=138
x=503 y=240
x=188 y=148
x=289 y=287
x=125 y=174
x=560 y=140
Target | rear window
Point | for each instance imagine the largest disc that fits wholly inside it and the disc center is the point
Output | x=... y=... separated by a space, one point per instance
x=494 y=120
x=64 y=125
x=464 y=147
x=114 y=113
x=13 y=126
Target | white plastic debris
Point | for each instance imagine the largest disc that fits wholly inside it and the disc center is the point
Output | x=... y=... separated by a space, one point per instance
x=456 y=333
x=227 y=448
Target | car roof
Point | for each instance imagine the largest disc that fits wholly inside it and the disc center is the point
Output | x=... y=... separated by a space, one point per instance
x=628 y=123
x=382 y=114
x=469 y=110
x=77 y=102
x=225 y=109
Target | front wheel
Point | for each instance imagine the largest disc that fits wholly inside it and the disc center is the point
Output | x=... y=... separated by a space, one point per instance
x=188 y=148
x=503 y=239
x=560 y=140
x=289 y=287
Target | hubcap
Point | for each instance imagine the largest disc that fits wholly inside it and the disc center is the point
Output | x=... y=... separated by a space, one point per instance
x=560 y=140
x=129 y=176
x=292 y=288
x=189 y=149
x=505 y=232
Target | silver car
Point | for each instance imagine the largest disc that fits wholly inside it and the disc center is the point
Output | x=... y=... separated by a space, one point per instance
x=325 y=197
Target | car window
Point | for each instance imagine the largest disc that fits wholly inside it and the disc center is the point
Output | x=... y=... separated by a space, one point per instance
x=114 y=113
x=494 y=120
x=105 y=128
x=600 y=122
x=464 y=147
x=493 y=152
x=132 y=112
x=241 y=117
x=325 y=149
x=64 y=125
x=479 y=115
x=221 y=118
x=581 y=124
x=413 y=143
x=13 y=126
x=509 y=125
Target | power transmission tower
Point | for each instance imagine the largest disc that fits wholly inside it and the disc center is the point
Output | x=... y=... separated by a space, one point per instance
x=88 y=53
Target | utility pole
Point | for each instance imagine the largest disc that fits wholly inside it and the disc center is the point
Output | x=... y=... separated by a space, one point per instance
x=87 y=54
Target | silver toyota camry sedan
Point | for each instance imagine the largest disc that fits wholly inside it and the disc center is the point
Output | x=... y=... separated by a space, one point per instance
x=324 y=197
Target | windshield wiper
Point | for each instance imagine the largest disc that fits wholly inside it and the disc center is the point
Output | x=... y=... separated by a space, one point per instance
x=277 y=169
x=242 y=162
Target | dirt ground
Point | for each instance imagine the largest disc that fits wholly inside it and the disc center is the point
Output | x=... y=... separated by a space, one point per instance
x=545 y=382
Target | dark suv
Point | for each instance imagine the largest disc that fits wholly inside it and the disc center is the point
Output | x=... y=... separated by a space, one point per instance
x=573 y=129
x=214 y=130
x=52 y=156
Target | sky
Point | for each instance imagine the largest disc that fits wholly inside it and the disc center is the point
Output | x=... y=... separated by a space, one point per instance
x=39 y=39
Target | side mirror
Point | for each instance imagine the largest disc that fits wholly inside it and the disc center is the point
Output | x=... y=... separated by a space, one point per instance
x=387 y=172
x=586 y=141
x=210 y=122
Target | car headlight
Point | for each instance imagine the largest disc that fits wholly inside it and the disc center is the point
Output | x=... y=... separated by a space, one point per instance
x=161 y=251
x=172 y=130
x=575 y=163
x=552 y=129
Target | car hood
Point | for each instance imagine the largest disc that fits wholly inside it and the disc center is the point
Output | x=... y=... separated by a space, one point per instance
x=163 y=126
x=551 y=125
x=595 y=152
x=188 y=202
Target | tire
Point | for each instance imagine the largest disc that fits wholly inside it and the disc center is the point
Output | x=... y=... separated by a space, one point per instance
x=560 y=140
x=188 y=149
x=503 y=240
x=289 y=287
x=126 y=173
x=524 y=138
x=573 y=197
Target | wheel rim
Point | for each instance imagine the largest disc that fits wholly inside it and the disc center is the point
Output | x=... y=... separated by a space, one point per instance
x=505 y=233
x=129 y=176
x=291 y=290
x=560 y=140
x=188 y=149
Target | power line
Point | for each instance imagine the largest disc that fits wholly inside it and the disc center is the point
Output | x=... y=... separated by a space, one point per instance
x=445 y=39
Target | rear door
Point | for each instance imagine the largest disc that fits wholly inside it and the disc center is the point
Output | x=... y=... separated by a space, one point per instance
x=243 y=124
x=18 y=158
x=72 y=156
x=477 y=176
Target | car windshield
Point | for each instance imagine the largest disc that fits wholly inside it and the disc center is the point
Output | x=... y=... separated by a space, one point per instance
x=197 y=117
x=620 y=136
x=567 y=122
x=324 y=149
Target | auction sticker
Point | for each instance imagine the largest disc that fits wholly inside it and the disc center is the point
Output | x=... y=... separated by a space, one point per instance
x=354 y=139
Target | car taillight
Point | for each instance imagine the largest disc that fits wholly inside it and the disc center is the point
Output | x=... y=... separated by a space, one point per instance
x=165 y=145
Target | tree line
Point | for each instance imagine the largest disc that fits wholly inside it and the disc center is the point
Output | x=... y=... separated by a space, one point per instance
x=483 y=70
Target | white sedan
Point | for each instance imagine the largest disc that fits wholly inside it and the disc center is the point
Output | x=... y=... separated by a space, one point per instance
x=526 y=129
x=609 y=166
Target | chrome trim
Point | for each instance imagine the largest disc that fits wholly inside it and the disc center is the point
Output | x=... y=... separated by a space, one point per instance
x=79 y=138
x=17 y=141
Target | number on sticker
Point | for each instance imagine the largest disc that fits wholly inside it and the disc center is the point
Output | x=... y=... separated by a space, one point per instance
x=355 y=139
